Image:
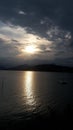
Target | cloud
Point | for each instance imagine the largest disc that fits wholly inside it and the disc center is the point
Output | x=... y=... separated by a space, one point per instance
x=14 y=39
x=45 y=23
x=22 y=12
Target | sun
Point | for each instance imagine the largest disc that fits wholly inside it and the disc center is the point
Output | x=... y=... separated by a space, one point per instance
x=30 y=49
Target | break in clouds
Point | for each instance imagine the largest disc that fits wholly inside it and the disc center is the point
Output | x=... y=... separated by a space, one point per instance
x=46 y=24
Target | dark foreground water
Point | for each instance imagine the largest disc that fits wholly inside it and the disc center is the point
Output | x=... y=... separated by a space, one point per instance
x=36 y=100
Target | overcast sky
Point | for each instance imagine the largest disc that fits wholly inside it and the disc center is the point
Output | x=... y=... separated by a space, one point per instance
x=45 y=24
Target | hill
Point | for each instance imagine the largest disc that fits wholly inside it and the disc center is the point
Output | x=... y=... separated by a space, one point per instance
x=43 y=67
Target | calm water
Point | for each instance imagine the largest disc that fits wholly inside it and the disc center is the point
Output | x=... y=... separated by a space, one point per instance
x=33 y=92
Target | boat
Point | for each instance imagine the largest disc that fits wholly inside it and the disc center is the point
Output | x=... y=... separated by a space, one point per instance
x=63 y=82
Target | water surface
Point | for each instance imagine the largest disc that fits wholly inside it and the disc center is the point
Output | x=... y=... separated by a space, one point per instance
x=32 y=92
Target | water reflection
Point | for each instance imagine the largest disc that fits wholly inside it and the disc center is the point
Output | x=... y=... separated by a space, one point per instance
x=30 y=99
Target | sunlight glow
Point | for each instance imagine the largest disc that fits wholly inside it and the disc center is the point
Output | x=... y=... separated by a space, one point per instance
x=30 y=49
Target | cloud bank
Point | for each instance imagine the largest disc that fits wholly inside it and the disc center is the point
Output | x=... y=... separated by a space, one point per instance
x=46 y=24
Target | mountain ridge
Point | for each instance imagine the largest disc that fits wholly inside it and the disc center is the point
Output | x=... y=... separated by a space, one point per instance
x=43 y=67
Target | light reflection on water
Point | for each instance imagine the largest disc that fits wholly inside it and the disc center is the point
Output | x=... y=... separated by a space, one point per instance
x=27 y=92
x=28 y=89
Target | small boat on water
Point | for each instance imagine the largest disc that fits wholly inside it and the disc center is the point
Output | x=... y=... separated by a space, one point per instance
x=63 y=82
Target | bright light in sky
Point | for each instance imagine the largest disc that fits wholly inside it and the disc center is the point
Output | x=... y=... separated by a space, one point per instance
x=30 y=49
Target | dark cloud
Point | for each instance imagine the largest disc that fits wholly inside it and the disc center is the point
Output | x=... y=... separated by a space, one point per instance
x=8 y=50
x=40 y=16
x=51 y=19
x=59 y=12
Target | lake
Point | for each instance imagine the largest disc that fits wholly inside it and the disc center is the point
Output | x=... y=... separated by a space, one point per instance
x=26 y=94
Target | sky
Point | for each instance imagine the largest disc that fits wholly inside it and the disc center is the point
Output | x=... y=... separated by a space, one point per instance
x=45 y=25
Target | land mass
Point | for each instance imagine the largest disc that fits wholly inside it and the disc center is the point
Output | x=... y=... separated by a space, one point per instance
x=42 y=67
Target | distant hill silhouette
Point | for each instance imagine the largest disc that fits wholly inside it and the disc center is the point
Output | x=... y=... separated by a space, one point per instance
x=2 y=68
x=43 y=67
